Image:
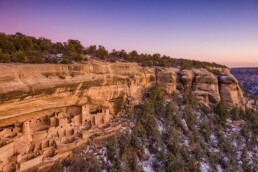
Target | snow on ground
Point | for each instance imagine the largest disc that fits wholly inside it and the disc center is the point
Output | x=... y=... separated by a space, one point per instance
x=205 y=167
x=161 y=128
x=102 y=154
x=219 y=168
x=147 y=165
x=213 y=138
x=233 y=128
x=186 y=141
x=213 y=149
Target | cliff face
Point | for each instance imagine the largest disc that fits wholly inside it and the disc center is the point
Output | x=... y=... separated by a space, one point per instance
x=48 y=110
x=30 y=88
x=26 y=88
x=210 y=89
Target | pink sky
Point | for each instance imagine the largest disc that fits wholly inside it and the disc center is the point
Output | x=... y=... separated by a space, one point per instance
x=225 y=33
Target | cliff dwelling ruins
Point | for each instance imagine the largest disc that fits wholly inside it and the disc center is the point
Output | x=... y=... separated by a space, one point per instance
x=39 y=142
x=46 y=115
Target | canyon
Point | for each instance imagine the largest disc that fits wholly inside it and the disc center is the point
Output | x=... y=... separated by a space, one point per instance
x=248 y=77
x=47 y=110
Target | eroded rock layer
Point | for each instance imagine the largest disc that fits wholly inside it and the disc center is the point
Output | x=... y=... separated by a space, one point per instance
x=44 y=109
x=27 y=88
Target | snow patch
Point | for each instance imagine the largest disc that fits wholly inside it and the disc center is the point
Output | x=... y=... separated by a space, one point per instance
x=204 y=167
x=147 y=165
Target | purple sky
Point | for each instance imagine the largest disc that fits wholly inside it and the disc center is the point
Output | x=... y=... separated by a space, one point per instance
x=222 y=31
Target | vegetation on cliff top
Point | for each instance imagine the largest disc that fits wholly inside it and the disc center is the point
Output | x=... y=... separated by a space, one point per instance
x=27 y=49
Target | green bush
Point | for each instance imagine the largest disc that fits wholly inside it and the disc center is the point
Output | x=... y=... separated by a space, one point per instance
x=19 y=56
x=138 y=136
x=189 y=97
x=4 y=58
x=74 y=50
x=222 y=113
x=118 y=104
x=215 y=71
x=190 y=116
x=111 y=148
x=171 y=108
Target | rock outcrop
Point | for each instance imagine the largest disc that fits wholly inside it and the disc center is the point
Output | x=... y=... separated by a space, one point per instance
x=26 y=88
x=204 y=84
x=54 y=97
x=167 y=78
x=211 y=89
x=230 y=91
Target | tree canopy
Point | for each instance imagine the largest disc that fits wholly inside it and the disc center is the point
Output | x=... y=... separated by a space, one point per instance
x=28 y=49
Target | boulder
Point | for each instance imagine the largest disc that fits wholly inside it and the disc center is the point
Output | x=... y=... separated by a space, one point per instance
x=167 y=77
x=230 y=92
x=186 y=77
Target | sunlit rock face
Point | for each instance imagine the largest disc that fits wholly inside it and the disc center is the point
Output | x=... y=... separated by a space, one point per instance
x=230 y=91
x=186 y=77
x=203 y=83
x=44 y=108
x=206 y=86
x=167 y=78
x=48 y=110
x=28 y=88
x=211 y=89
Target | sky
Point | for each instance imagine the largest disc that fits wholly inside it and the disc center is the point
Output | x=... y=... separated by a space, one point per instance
x=221 y=31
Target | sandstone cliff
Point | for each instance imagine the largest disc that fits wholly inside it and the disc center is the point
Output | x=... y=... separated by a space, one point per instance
x=29 y=88
x=48 y=110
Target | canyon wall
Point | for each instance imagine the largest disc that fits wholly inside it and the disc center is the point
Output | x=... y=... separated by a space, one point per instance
x=25 y=88
x=46 y=110
x=30 y=88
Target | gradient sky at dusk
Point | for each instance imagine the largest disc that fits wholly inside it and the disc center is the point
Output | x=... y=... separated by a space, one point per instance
x=222 y=31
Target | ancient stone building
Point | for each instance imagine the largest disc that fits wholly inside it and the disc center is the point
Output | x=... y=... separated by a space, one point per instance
x=39 y=142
